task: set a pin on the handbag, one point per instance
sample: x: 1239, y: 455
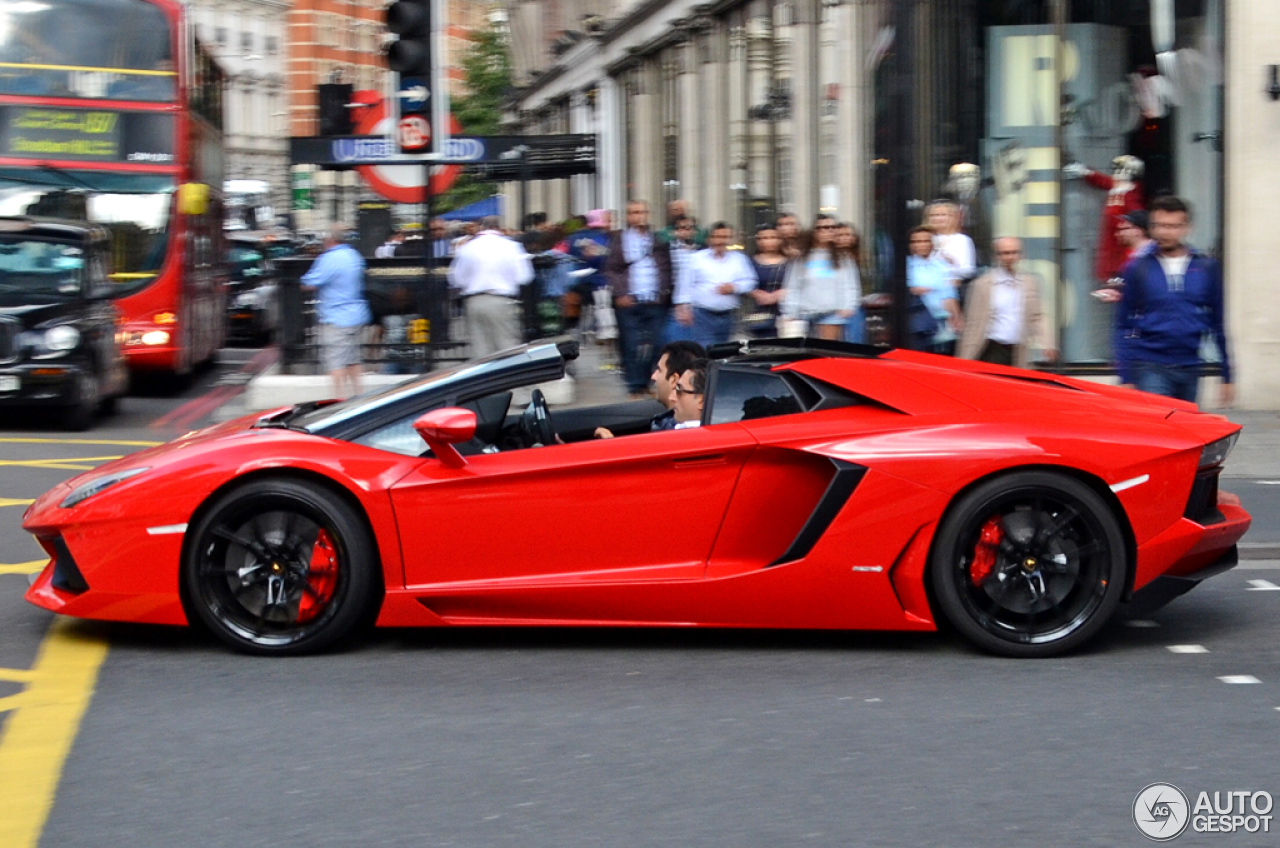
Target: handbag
x: 921, y: 321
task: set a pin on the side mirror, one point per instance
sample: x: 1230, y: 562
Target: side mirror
x: 441, y: 429
x: 193, y: 198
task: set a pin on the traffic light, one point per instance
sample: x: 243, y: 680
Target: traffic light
x: 335, y: 119
x: 411, y: 52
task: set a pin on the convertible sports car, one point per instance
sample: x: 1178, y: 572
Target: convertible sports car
x: 830, y: 486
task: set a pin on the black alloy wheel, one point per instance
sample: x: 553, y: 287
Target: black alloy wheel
x: 1031, y: 564
x: 280, y: 567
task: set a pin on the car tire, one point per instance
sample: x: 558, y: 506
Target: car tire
x: 280, y: 567
x: 84, y: 409
x: 1029, y: 564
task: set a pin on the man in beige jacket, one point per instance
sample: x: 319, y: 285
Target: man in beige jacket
x: 1003, y: 320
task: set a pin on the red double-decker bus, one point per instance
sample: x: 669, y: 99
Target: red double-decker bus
x: 111, y: 112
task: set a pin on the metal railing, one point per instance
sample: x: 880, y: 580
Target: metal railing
x: 414, y: 318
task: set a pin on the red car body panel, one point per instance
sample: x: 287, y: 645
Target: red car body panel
x: 684, y: 528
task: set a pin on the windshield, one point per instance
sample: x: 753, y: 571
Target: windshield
x: 246, y: 263
x: 134, y: 207
x: 533, y: 359
x: 39, y: 270
x: 117, y: 49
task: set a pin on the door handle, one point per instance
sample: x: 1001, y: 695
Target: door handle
x: 703, y: 459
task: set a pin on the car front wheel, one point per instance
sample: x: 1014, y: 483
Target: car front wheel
x: 280, y: 567
x: 1030, y: 564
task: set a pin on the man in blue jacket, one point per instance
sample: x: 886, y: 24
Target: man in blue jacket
x: 1172, y: 298
x: 337, y: 276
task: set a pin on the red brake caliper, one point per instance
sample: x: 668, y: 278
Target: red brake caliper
x: 984, y: 553
x: 322, y: 577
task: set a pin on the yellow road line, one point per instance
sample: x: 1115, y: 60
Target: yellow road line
x: 72, y: 462
x: 16, y: 501
x: 20, y: 440
x: 42, y: 728
x: 33, y: 567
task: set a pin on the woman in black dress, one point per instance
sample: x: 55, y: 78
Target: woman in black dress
x: 770, y: 264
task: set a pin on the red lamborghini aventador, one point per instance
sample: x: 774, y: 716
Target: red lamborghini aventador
x: 830, y: 486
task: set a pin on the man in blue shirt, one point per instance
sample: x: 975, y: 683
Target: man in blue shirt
x: 1171, y: 299
x: 337, y: 277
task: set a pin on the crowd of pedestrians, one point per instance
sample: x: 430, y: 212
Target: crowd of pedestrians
x: 647, y: 288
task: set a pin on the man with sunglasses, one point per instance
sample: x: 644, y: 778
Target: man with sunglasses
x: 690, y: 392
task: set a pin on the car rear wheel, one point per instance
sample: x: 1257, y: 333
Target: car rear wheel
x: 279, y: 567
x: 1030, y: 564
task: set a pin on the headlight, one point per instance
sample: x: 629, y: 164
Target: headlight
x: 246, y: 300
x: 1217, y: 452
x: 61, y: 338
x: 92, y: 487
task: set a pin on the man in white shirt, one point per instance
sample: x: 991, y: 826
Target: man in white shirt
x: 488, y: 271
x: 716, y: 277
x: 1003, y: 319
x: 690, y: 393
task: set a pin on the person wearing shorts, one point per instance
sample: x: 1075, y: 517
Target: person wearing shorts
x: 337, y: 277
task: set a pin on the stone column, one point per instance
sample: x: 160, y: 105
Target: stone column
x: 759, y: 130
x: 610, y: 145
x: 646, y: 147
x: 855, y: 119
x: 717, y: 157
x: 1252, y: 162
x: 735, y: 87
x: 691, y: 139
x: 804, y: 108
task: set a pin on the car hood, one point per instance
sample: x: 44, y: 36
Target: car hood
x: 33, y: 315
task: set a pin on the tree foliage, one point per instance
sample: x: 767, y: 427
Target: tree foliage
x: 486, y: 67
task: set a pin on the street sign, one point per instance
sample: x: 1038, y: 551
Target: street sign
x: 414, y: 133
x: 398, y: 183
x: 413, y: 95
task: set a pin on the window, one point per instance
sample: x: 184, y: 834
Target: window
x: 273, y: 45
x: 220, y: 36
x: 748, y: 394
x: 246, y: 41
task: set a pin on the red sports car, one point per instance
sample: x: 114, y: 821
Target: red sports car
x: 830, y: 486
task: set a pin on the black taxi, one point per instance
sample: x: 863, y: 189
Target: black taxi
x: 58, y: 333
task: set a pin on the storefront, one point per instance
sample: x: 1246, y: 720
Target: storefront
x: 1023, y: 89
x: 865, y: 108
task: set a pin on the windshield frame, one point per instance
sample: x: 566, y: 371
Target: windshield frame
x: 534, y: 363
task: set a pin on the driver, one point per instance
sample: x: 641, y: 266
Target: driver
x: 675, y: 358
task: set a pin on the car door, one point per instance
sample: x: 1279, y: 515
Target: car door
x: 630, y: 508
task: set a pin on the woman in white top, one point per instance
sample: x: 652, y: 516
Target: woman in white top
x: 950, y: 245
x: 822, y: 284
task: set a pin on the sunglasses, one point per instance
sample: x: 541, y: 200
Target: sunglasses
x: 681, y: 390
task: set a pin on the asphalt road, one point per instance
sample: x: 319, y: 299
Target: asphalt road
x: 618, y: 738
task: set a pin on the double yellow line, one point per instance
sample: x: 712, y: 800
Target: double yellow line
x: 41, y: 725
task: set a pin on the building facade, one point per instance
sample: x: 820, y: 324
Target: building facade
x: 249, y: 39
x: 342, y: 41
x: 864, y: 108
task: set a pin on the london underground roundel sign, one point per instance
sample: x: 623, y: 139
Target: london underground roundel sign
x: 403, y: 183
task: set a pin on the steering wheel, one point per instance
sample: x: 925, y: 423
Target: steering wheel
x: 535, y: 424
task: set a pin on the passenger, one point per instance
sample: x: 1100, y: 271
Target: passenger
x: 690, y: 392
x: 675, y: 359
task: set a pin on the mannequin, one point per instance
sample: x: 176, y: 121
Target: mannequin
x: 1124, y: 195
